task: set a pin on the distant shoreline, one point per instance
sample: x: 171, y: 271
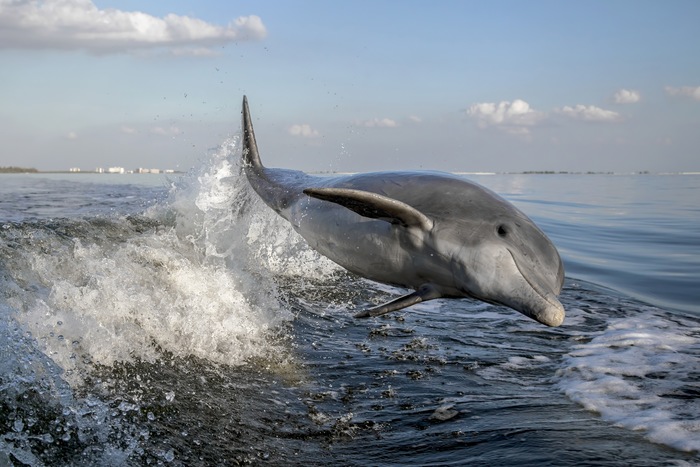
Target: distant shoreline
x: 31, y: 170
x: 534, y: 172
x: 23, y: 170
x: 17, y: 170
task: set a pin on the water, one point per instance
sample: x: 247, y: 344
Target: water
x: 153, y: 320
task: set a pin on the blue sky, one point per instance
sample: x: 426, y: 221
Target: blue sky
x: 353, y: 85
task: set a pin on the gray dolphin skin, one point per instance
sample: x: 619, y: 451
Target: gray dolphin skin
x: 432, y: 232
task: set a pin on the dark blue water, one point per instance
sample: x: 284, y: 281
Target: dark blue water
x: 637, y: 234
x: 147, y: 320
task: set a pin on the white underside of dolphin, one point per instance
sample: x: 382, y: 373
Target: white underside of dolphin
x: 435, y: 233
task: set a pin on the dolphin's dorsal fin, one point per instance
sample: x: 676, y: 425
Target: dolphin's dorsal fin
x: 374, y: 206
x: 250, y: 147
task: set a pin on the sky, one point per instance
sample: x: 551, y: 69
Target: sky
x: 353, y: 85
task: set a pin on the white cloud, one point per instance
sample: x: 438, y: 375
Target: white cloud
x: 170, y: 131
x: 590, y: 113
x: 514, y: 117
x: 72, y: 135
x: 415, y: 119
x: 128, y: 130
x: 626, y: 96
x: 194, y: 52
x: 304, y: 130
x: 378, y: 122
x: 687, y: 91
x: 517, y: 117
x: 79, y: 24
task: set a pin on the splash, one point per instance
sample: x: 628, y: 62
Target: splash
x: 220, y: 215
x: 196, y: 275
x: 90, y: 305
x: 45, y: 422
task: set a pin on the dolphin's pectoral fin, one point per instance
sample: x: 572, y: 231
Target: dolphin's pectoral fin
x: 374, y: 206
x: 423, y: 294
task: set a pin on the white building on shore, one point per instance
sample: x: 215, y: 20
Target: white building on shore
x: 122, y: 170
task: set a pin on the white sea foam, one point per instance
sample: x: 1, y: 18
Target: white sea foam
x: 200, y: 284
x: 642, y: 374
x: 516, y: 370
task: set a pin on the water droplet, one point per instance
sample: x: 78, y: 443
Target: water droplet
x: 18, y: 425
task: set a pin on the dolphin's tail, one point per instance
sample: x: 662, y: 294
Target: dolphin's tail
x: 251, y: 156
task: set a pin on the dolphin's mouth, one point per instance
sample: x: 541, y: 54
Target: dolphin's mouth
x: 545, y: 308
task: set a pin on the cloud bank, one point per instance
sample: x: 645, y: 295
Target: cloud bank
x: 518, y: 117
x: 378, y: 123
x: 80, y: 25
x: 626, y: 96
x: 304, y: 130
x: 513, y: 117
x: 685, y: 91
x: 590, y: 113
x: 172, y: 130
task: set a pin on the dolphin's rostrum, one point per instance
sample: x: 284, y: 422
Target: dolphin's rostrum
x: 435, y: 233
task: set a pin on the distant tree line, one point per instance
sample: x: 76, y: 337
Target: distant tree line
x: 564, y: 172
x: 17, y: 170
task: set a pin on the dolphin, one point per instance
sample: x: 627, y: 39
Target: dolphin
x: 435, y: 233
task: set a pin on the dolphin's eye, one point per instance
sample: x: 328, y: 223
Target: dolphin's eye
x: 502, y: 230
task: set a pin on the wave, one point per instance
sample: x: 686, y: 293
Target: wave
x: 195, y: 275
x: 134, y: 335
x: 641, y: 372
x: 94, y: 307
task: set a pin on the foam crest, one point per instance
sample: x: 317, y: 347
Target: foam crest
x: 641, y: 373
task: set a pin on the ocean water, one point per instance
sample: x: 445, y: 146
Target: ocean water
x: 155, y: 320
